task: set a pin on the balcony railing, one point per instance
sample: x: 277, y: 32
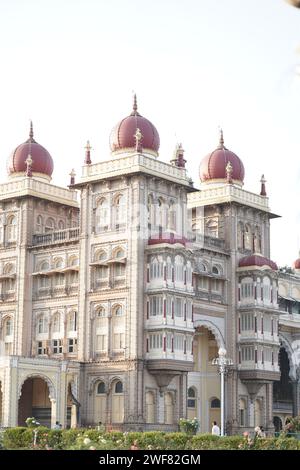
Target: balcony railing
x: 60, y: 236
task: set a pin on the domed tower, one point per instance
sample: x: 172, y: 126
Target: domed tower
x: 221, y: 166
x: 30, y: 158
x: 296, y: 266
x: 134, y: 133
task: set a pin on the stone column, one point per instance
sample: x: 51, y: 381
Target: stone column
x: 269, y: 406
x: 53, y: 412
x: 73, y: 416
x: 62, y: 414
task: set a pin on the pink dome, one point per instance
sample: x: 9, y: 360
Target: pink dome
x: 257, y: 260
x: 123, y: 134
x: 297, y: 264
x: 213, y: 166
x: 41, y: 159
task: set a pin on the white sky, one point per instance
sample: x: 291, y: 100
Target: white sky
x: 71, y: 66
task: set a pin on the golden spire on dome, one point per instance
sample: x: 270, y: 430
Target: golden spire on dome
x: 221, y: 139
x: 31, y: 130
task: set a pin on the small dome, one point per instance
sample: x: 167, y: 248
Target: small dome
x: 214, y: 167
x: 42, y: 162
x: 257, y: 261
x: 296, y: 264
x: 123, y: 135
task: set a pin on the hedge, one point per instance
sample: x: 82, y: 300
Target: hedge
x: 74, y: 439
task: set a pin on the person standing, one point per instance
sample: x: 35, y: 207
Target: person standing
x: 215, y: 429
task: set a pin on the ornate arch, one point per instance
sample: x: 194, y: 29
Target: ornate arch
x: 213, y: 328
x: 94, y: 381
x: 52, y: 392
x: 289, y: 350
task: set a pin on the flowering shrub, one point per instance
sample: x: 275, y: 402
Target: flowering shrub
x: 190, y: 426
x: 292, y: 426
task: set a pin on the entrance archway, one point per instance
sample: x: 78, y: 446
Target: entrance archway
x: 282, y: 390
x: 204, y: 381
x: 277, y: 423
x: 35, y: 402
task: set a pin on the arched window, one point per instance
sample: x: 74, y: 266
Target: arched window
x: 100, y: 312
x: 202, y: 267
x: 119, y: 210
x: 161, y: 213
x: 8, y: 268
x: 189, y: 273
x: 74, y: 261
x: 61, y: 225
x: 117, y: 403
x: 215, y: 403
x: 257, y: 240
x: 102, y: 215
x: 172, y: 216
x: 248, y: 237
x: 151, y: 212
x: 247, y: 291
x: 8, y: 327
x: 191, y: 398
x: 266, y: 289
x: 56, y: 323
x: 58, y: 263
x: 211, y: 228
x: 100, y: 255
x: 215, y: 270
x: 169, y: 408
x: 50, y: 225
x: 169, y: 269
x: 118, y: 311
x: 240, y: 235
x: 11, y: 229
x: 179, y: 268
x: 156, y: 268
x: 119, y: 253
x: 101, y: 388
x: 42, y: 325
x: 44, y: 266
x: 242, y: 411
x: 257, y: 413
x: 150, y: 407
x: 72, y: 321
x: 119, y: 387
x: 39, y: 224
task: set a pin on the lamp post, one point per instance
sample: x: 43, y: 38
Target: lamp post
x: 222, y: 362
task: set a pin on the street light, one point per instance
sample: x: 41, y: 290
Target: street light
x: 222, y: 362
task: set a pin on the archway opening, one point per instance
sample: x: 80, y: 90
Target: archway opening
x: 282, y: 390
x: 34, y: 402
x: 277, y: 423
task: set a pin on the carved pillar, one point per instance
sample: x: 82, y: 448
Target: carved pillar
x: 269, y: 406
x: 53, y: 412
x: 73, y: 416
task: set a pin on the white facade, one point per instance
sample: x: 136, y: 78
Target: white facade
x: 113, y: 308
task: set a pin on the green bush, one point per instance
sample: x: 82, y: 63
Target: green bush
x: 205, y: 442
x: 14, y: 438
x: 176, y: 440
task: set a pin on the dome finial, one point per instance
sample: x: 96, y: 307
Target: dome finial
x: 31, y: 130
x: 221, y: 140
x: 263, y: 181
x: 29, y: 163
x: 88, y: 148
x: 134, y: 107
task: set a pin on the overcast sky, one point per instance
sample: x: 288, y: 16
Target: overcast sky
x: 71, y: 67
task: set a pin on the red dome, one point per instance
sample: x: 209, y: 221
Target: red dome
x: 123, y: 134
x: 41, y: 159
x: 213, y: 166
x: 257, y: 260
x: 297, y: 264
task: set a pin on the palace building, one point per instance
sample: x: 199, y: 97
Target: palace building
x: 117, y: 292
